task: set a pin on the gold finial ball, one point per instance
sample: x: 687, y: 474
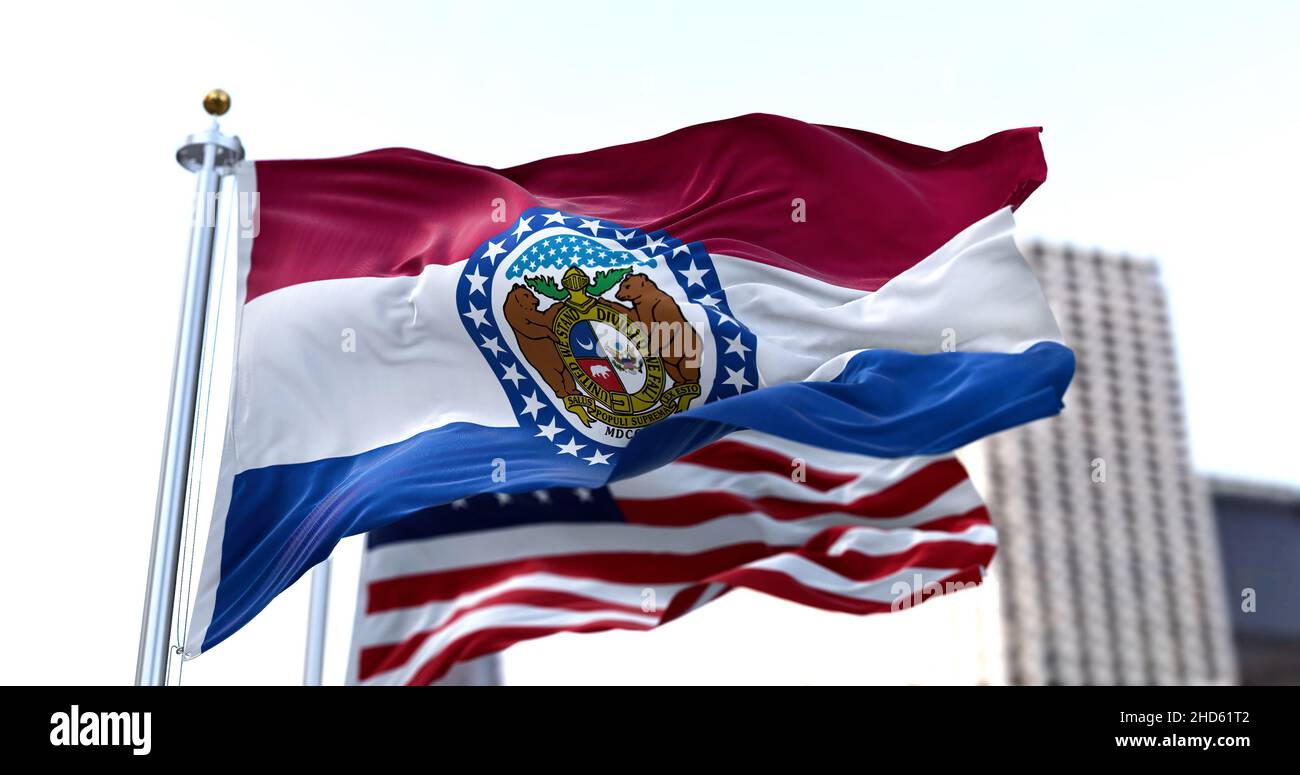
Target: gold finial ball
x: 216, y: 102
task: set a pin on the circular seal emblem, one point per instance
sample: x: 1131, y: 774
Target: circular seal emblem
x: 614, y: 328
x: 621, y: 379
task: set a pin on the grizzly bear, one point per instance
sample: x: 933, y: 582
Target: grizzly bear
x: 537, y: 340
x: 672, y: 337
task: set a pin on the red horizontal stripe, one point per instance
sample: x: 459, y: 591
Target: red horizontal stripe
x: 932, y: 554
x: 850, y: 564
x: 775, y: 583
x: 624, y: 567
x: 956, y: 523
x: 787, y: 587
x: 729, y: 184
x: 684, y: 601
x: 377, y: 659
x: 729, y: 455
x: 899, y: 499
x: 492, y: 640
x: 629, y: 567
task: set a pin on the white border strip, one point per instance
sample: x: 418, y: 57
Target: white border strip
x: 206, y: 597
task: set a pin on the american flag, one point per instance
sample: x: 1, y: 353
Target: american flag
x: 827, y: 529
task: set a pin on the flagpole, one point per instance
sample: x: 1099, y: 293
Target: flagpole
x: 313, y: 667
x: 211, y: 156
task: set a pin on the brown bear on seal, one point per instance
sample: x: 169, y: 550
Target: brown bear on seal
x: 537, y: 340
x: 671, y: 336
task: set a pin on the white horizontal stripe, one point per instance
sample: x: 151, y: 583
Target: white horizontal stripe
x: 680, y: 479
x: 304, y: 394
x: 977, y: 286
x: 392, y: 628
x: 709, y: 594
x: 906, y: 582
x: 398, y: 624
x: 842, y: 462
x: 483, y: 671
x: 875, y: 542
x: 490, y: 547
x: 502, y: 616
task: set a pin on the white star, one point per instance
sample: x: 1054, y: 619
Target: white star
x: 512, y: 374
x: 708, y: 301
x: 722, y: 316
x: 542, y: 496
x: 555, y: 217
x: 502, y: 498
x: 531, y: 405
x: 479, y: 316
x: 525, y: 225
x: 694, y: 275
x: 571, y: 448
x: 549, y: 430
x: 652, y: 244
x: 735, y: 346
x: 460, y: 503
x: 623, y: 236
x: 476, y: 281
x: 493, y: 250
x: 592, y: 225
x: 736, y: 379
x: 583, y: 494
x: 491, y: 344
x: 598, y: 458
x: 681, y: 249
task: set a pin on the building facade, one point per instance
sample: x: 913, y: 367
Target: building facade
x: 1109, y: 568
x: 1259, y: 530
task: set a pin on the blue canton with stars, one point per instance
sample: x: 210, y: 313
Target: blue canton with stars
x: 568, y: 245
x: 494, y: 511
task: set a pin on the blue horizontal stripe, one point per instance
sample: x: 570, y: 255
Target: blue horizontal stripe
x: 886, y: 403
x: 284, y: 519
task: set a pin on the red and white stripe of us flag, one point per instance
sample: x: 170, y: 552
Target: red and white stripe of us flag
x: 827, y: 529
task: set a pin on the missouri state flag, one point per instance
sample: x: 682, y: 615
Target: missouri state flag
x: 416, y: 334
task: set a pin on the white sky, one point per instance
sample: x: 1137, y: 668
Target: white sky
x: 1170, y: 131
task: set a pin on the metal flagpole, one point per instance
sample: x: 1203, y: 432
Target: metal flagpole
x: 313, y: 666
x: 212, y: 156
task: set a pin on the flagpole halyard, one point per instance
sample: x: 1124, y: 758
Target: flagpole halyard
x: 211, y: 155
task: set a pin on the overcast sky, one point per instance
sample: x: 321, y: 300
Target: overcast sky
x: 1170, y: 132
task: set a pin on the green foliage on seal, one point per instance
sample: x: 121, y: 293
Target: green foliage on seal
x: 606, y: 279
x: 547, y: 287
